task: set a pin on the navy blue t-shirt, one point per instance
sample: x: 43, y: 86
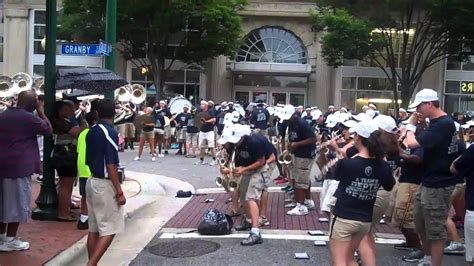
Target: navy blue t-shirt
x: 260, y: 118
x: 300, y: 131
x: 159, y: 120
x: 411, y: 173
x: 309, y: 120
x: 269, y: 148
x: 182, y: 119
x: 208, y: 127
x: 102, y: 148
x: 220, y: 122
x: 440, y: 147
x: 465, y: 168
x: 360, y: 179
x: 394, y: 161
x: 190, y: 127
x: 250, y: 150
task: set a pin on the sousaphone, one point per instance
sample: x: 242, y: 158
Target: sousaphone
x: 200, y: 118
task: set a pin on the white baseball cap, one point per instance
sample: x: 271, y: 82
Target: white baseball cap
x: 362, y: 117
x: 331, y: 106
x: 468, y: 124
x: 331, y: 121
x: 349, y: 123
x: 423, y: 96
x: 373, y: 106
x: 364, y: 128
x: 316, y: 114
x: 234, y: 133
x: 204, y: 102
x: 402, y: 110
x: 371, y: 113
x: 287, y: 112
x: 386, y: 123
x: 235, y: 116
x: 228, y: 118
x: 162, y: 102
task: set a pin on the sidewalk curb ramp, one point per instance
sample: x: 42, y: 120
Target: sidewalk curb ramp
x: 152, y: 187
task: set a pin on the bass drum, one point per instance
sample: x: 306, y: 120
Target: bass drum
x: 177, y: 103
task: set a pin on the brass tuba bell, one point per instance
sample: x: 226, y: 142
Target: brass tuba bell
x: 123, y: 93
x: 138, y: 94
x: 5, y: 87
x: 21, y: 82
x: 39, y: 86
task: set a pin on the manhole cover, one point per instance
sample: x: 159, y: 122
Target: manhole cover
x: 184, y: 249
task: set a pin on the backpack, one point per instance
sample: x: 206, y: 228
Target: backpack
x: 215, y: 222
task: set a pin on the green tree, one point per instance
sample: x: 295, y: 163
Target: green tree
x: 402, y: 37
x: 197, y: 29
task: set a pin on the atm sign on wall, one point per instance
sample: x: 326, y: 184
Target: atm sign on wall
x: 467, y: 87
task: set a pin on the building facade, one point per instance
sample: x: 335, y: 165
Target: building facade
x: 279, y: 62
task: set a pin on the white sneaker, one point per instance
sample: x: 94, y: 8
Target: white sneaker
x: 153, y: 158
x: 212, y: 163
x: 137, y: 158
x: 299, y: 210
x: 200, y: 162
x: 14, y: 245
x: 309, y: 204
x: 161, y: 155
x: 290, y: 205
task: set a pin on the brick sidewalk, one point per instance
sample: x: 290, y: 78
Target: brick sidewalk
x: 47, y: 239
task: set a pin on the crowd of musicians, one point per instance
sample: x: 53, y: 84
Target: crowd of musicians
x: 409, y: 171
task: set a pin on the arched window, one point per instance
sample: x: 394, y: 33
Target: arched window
x: 272, y: 45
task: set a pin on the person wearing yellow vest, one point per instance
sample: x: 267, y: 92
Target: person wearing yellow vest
x: 83, y: 171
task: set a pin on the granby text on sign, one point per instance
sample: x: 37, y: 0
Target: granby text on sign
x: 102, y: 48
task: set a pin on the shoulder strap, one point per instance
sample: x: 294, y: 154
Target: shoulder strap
x: 107, y: 136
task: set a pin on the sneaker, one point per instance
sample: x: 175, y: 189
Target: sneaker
x: 309, y: 204
x: 137, y: 158
x: 292, y: 204
x: 153, y: 158
x: 82, y: 225
x: 161, y: 155
x: 285, y: 188
x: 263, y: 221
x: 200, y: 163
x: 414, y: 256
x: 403, y: 246
x: 281, y: 181
x: 299, y: 210
x: 455, y: 248
x: 244, y: 226
x: 14, y: 245
x: 212, y: 163
x: 291, y: 190
x: 166, y: 152
x: 290, y: 199
x: 252, y: 240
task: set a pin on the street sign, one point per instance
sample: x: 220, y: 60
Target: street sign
x: 102, y: 48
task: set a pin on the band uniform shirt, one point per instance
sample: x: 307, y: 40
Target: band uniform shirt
x: 19, y: 153
x: 250, y: 150
x: 148, y: 120
x: 269, y: 148
x: 465, y: 168
x: 220, y: 122
x: 439, y: 141
x: 394, y: 161
x: 208, y: 127
x: 260, y: 118
x: 164, y: 112
x: 360, y: 179
x: 82, y: 169
x: 101, y: 149
x: 182, y: 119
x: 159, y: 120
x: 190, y: 126
x: 300, y: 131
x: 309, y: 120
x: 411, y: 173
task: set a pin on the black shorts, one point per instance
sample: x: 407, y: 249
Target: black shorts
x: 67, y: 171
x: 82, y: 186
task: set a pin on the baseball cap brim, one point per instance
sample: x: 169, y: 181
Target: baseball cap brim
x: 414, y: 105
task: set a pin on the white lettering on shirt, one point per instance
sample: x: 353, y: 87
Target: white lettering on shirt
x: 363, y: 188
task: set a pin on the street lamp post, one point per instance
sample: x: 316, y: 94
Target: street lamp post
x: 47, y: 199
x: 111, y: 38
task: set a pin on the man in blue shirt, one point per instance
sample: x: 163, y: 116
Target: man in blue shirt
x: 105, y: 197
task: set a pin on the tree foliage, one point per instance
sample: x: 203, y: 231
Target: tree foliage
x: 152, y: 32
x: 402, y: 37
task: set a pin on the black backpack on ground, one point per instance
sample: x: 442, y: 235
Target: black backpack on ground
x: 215, y: 222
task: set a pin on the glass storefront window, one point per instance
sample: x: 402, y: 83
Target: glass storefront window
x: 451, y: 103
x: 453, y: 63
x: 348, y: 99
x: 259, y: 96
x: 296, y: 99
x: 192, y: 93
x: 469, y: 65
x: 252, y: 80
x: 173, y: 90
x: 348, y: 83
x: 373, y: 84
x: 242, y: 97
x: 192, y: 76
x: 452, y: 86
x: 278, y: 98
x: 466, y: 103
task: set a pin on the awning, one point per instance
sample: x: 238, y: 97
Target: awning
x: 273, y: 68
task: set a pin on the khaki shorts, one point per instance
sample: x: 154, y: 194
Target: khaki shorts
x: 126, y: 130
x: 159, y: 131
x: 431, y: 212
x: 105, y: 215
x: 469, y: 235
x: 167, y: 132
x: 263, y: 132
x: 300, y: 171
x: 148, y: 135
x: 206, y: 139
x: 381, y: 204
x: 268, y: 174
x: 392, y: 201
x: 252, y: 185
x: 347, y: 230
x: 181, y: 135
x: 404, y: 204
x: 192, y: 138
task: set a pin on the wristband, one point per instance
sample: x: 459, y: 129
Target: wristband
x: 411, y: 128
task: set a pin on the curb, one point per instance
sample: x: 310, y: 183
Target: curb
x: 151, y: 188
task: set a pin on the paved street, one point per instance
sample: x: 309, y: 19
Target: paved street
x: 200, y: 176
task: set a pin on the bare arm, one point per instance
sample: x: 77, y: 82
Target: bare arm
x: 114, y: 178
